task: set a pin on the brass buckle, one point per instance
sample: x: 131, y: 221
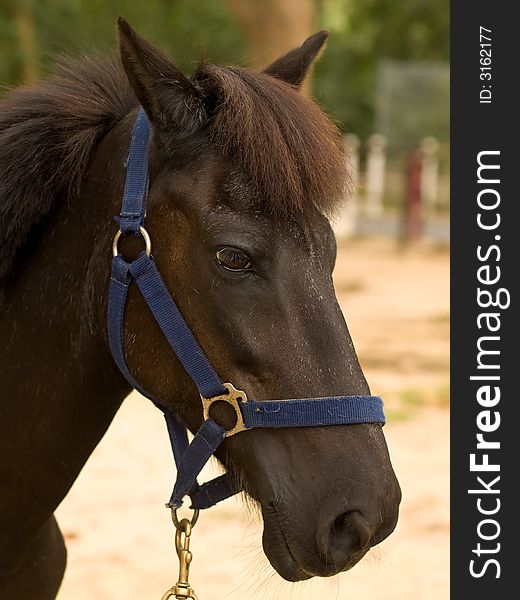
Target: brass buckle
x: 234, y: 398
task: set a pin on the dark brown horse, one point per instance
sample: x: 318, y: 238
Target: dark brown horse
x: 244, y: 173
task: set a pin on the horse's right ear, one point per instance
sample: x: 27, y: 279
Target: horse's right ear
x: 166, y: 94
x: 294, y: 66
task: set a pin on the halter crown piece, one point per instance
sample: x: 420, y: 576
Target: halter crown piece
x: 191, y: 457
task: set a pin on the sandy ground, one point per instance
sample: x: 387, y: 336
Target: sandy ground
x: 119, y: 535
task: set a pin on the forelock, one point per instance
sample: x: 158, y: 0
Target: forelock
x: 282, y: 141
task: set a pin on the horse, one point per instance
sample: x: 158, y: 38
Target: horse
x: 245, y: 175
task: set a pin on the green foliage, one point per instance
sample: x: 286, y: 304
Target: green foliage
x: 184, y: 29
x: 366, y: 32
x: 363, y: 32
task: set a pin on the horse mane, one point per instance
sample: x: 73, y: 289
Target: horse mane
x: 47, y: 135
x: 281, y: 140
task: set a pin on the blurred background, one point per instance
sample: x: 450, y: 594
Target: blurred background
x: 384, y: 78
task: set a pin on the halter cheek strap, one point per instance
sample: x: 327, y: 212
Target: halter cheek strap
x: 190, y: 458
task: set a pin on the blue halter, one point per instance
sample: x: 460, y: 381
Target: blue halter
x: 250, y: 414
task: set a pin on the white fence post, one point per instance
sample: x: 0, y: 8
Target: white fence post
x: 346, y: 224
x: 375, y: 176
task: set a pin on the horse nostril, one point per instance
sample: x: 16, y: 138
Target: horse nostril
x: 348, y: 535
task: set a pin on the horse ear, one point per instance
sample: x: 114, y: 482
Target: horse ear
x: 165, y: 93
x: 294, y: 66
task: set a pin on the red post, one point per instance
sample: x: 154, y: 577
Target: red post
x: 412, y: 205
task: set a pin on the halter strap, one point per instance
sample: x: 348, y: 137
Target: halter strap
x: 133, y: 209
x: 251, y: 414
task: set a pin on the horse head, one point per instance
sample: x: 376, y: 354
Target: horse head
x: 245, y: 172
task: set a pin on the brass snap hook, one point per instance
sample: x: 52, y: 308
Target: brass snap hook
x: 183, y: 529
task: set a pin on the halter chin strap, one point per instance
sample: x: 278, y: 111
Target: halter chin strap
x: 250, y: 414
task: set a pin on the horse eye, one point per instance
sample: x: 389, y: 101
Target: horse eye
x: 233, y: 259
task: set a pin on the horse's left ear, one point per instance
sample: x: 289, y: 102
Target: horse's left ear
x: 294, y: 66
x: 169, y: 97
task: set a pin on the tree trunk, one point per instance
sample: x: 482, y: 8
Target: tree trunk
x: 273, y: 27
x: 26, y: 34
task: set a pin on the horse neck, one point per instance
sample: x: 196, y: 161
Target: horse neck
x: 57, y: 378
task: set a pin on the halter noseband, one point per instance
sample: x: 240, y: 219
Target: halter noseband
x: 250, y: 414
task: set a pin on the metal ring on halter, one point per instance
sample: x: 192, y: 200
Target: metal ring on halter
x: 176, y: 521
x: 146, y: 238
